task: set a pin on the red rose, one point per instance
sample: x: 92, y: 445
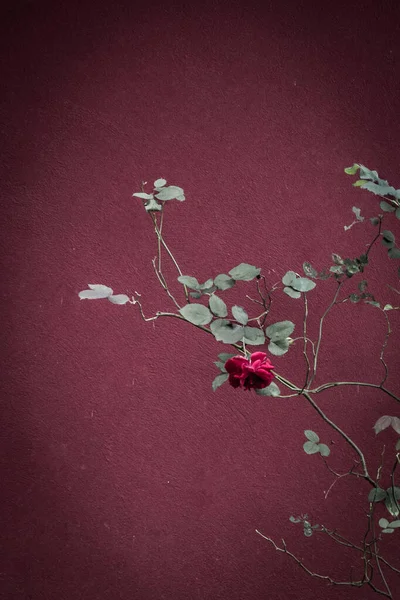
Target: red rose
x: 248, y: 373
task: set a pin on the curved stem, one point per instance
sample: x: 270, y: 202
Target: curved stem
x: 321, y: 322
x: 332, y: 384
x: 344, y: 436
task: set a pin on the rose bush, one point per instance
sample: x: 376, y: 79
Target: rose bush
x: 203, y: 305
x: 248, y: 373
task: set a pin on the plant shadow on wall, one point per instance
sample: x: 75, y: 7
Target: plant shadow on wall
x: 254, y: 371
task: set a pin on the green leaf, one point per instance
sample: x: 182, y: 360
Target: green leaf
x: 294, y: 520
x: 160, y: 183
x: 394, y: 252
x: 373, y: 302
x: 357, y: 212
x: 279, y: 348
x: 224, y: 356
x: 217, y: 306
x: 310, y: 448
x: 398, y: 445
x: 97, y: 291
x: 152, y: 205
x: 190, y: 282
x: 376, y: 495
x: 244, y: 272
x: 389, y: 530
x: 119, y: 299
x: 288, y: 278
x: 220, y: 365
x: 292, y: 293
x: 206, y: 285
x: 362, y: 286
x: 224, y: 331
x: 324, y: 450
x: 253, y: 336
x: 219, y: 380
x: 386, y: 207
x: 143, y: 195
x: 354, y: 298
x: 366, y: 173
x: 309, y: 271
x: 336, y: 269
x: 196, y: 314
x: 387, y: 243
x: 171, y: 192
x: 379, y: 189
x: 398, y: 212
x: 394, y: 524
x: 224, y: 282
x: 392, y: 501
x: 338, y: 260
x: 311, y: 435
x: 352, y: 170
x: 280, y: 330
x: 374, y: 221
x: 302, y: 284
x: 271, y: 390
x: 388, y: 235
x: 359, y: 183
x: 383, y: 523
x: 240, y: 314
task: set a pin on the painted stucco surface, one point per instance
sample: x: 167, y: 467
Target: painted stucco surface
x: 123, y: 475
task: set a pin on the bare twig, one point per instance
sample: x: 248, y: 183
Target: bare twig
x: 321, y: 322
x: 333, y: 384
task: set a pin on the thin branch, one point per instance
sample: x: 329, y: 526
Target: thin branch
x: 345, y: 542
x: 163, y: 283
x: 164, y: 244
x: 332, y: 384
x: 321, y: 322
x: 378, y: 235
x: 344, y: 436
x: 305, y: 353
x: 388, y: 332
x: 301, y: 564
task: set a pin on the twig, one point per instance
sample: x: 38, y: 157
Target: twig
x: 388, y: 332
x: 321, y: 322
x: 302, y: 565
x: 344, y: 436
x: 332, y: 384
x: 305, y: 353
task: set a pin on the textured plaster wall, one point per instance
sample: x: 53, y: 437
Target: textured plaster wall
x: 123, y: 474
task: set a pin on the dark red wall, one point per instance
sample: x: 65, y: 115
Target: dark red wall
x: 123, y: 475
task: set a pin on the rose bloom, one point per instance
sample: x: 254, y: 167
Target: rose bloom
x: 248, y: 373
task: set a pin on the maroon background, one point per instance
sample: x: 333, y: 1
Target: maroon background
x: 123, y: 474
